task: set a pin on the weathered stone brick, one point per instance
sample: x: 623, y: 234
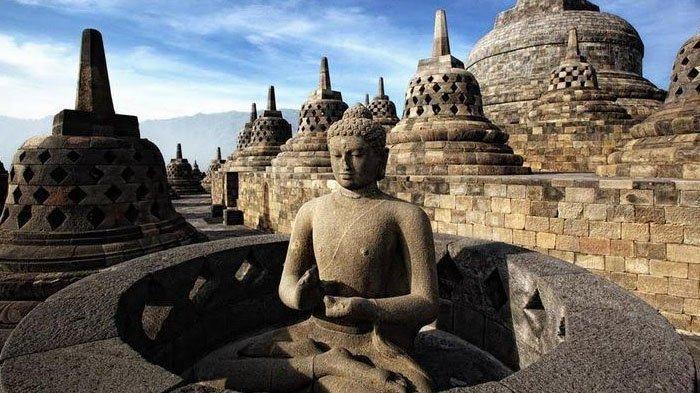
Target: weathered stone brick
x: 515, y: 221
x: 520, y: 206
x: 668, y: 269
x: 666, y: 233
x: 583, y: 195
x: 567, y: 243
x: 516, y: 191
x: 500, y: 205
x: 651, y: 284
x: 633, y: 231
x: 667, y: 303
x: 690, y: 198
x: 443, y: 215
x: 691, y: 235
x: 623, y: 248
x: 683, y: 253
x: 576, y: 227
x: 525, y: 238
x: 570, y: 210
x: 625, y: 280
x: 686, y: 288
x: 691, y: 307
x: 595, y: 212
x: 495, y: 190
x: 649, y: 214
x: 637, y: 265
x: 679, y: 321
x: 544, y: 209
x: 615, y: 264
x: 650, y: 250
x: 546, y: 240
x: 682, y: 215
x: 567, y: 256
x: 537, y: 224
x: 596, y: 246
x: 637, y: 197
x: 503, y: 235
x: 621, y: 213
x: 596, y: 262
x: 556, y: 225
x: 610, y: 230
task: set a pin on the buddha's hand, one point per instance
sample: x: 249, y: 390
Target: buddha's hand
x: 309, y: 289
x: 351, y: 307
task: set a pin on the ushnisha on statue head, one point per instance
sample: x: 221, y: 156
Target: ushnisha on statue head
x: 358, y: 150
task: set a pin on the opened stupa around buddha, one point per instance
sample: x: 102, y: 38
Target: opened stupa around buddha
x: 382, y: 108
x: 444, y: 130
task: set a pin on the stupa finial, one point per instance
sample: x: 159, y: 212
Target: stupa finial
x: 271, y: 102
x: 441, y: 41
x: 253, y: 113
x: 94, y: 94
x: 218, y: 153
x: 380, y: 87
x: 366, y: 99
x: 178, y: 154
x: 572, y: 50
x: 324, y: 81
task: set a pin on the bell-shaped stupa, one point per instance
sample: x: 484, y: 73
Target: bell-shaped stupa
x: 574, y: 125
x: 444, y: 130
x: 196, y: 172
x: 268, y: 133
x: 382, y: 108
x: 512, y: 62
x: 91, y: 194
x: 181, y: 176
x: 667, y: 143
x: 308, y: 151
x: 214, y: 166
x: 245, y: 134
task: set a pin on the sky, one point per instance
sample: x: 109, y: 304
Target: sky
x: 175, y: 58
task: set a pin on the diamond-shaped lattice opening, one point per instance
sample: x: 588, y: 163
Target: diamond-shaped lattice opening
x: 16, y: 194
x: 73, y: 155
x: 436, y: 109
x: 44, y: 156
x: 128, y: 174
x: 41, y: 195
x: 141, y: 192
x: 155, y: 210
x: 445, y: 97
x: 95, y: 216
x: 56, y: 218
x: 685, y: 61
x: 693, y: 73
x: 110, y: 156
x: 454, y: 109
x: 436, y: 87
x: 428, y: 99
x: 131, y: 214
x: 535, y: 302
x: 77, y: 195
x: 24, y: 216
x: 58, y: 174
x: 22, y: 156
x: 28, y: 174
x: 150, y: 173
x: 419, y: 110
x: 494, y: 290
x: 445, y: 78
x: 96, y: 173
x: 679, y: 91
x: 113, y: 193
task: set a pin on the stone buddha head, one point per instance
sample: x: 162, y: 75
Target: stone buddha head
x: 357, y: 147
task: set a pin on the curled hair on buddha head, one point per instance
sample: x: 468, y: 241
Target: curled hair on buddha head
x: 357, y: 121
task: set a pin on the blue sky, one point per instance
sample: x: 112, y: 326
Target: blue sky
x: 173, y: 58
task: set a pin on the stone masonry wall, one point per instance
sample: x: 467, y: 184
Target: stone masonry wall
x: 641, y: 234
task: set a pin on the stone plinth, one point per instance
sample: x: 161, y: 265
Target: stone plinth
x: 575, y: 125
x: 667, y: 143
x: 444, y: 130
x: 181, y: 176
x: 89, y: 196
x: 513, y: 61
x: 307, y: 152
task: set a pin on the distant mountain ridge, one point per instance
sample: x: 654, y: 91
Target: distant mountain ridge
x: 199, y: 134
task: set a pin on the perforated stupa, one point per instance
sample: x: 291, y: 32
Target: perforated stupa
x: 181, y: 176
x: 382, y: 108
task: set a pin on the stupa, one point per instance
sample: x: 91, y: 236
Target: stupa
x: 268, y: 132
x: 667, y: 143
x: 513, y: 61
x: 444, y: 130
x: 244, y: 135
x: 181, y: 177
x: 214, y: 166
x: 574, y: 125
x: 308, y: 151
x: 196, y: 172
x: 382, y: 108
x: 90, y: 195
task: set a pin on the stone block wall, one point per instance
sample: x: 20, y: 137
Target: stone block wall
x: 641, y: 234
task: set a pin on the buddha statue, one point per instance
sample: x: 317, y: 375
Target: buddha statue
x: 362, y: 263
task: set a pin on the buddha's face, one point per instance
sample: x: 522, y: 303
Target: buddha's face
x: 355, y: 163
